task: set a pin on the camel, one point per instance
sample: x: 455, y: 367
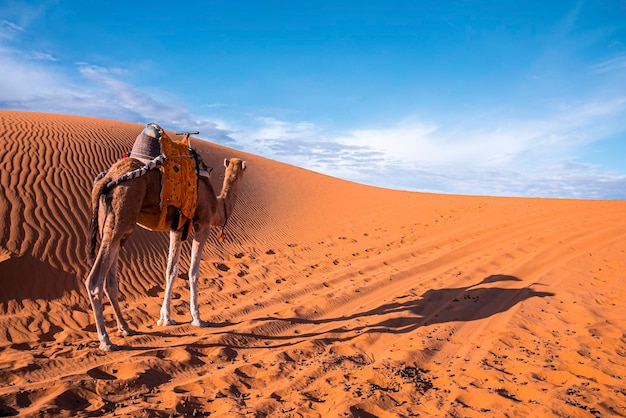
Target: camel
x: 115, y: 214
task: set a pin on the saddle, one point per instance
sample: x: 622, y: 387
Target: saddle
x: 179, y: 173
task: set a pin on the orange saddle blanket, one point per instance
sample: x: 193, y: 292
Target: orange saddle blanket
x: 179, y: 180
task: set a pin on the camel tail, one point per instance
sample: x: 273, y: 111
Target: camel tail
x: 99, y: 189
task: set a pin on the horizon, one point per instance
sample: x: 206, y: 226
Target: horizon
x: 524, y: 99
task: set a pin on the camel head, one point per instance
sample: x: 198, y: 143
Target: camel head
x: 234, y: 172
x: 232, y: 176
x: 234, y: 167
x: 226, y: 200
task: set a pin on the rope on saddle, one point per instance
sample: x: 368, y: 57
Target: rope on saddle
x: 100, y: 176
x: 202, y: 170
x: 155, y: 163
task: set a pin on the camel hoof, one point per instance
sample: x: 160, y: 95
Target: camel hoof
x: 199, y: 323
x: 108, y: 347
x: 125, y: 332
x: 166, y: 322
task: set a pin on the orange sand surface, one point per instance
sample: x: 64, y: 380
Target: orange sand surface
x: 328, y: 298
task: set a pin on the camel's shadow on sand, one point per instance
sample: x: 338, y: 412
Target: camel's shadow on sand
x: 438, y: 306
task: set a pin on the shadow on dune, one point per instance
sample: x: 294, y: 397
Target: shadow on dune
x: 447, y: 305
x: 26, y: 277
x: 437, y: 306
x: 7, y: 411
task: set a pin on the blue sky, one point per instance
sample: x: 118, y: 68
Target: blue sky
x: 511, y: 98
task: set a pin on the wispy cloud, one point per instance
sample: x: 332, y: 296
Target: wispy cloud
x: 272, y: 129
x: 505, y: 156
x: 501, y: 142
x: 488, y: 151
x: 113, y: 92
x: 9, y: 29
x: 216, y: 105
x: 33, y: 81
x: 43, y: 56
x: 614, y: 64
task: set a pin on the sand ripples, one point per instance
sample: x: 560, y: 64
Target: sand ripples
x: 328, y: 298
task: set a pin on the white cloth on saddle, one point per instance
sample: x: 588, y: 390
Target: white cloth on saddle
x: 147, y: 145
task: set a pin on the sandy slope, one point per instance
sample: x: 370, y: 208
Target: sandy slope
x: 328, y: 299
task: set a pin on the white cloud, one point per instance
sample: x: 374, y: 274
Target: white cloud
x: 110, y: 91
x: 36, y: 81
x: 272, y: 128
x: 506, y: 156
x: 614, y: 64
x: 43, y: 56
x: 440, y: 145
x: 499, y: 154
x: 40, y: 85
x: 24, y: 81
x: 216, y: 105
x: 9, y: 29
x: 497, y: 143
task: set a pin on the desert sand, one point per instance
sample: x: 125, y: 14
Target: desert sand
x: 328, y: 298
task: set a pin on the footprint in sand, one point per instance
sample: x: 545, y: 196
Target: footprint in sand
x: 221, y: 266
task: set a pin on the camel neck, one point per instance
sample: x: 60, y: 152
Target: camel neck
x: 225, y: 200
x: 229, y: 186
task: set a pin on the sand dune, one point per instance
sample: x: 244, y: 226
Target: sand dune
x: 328, y: 299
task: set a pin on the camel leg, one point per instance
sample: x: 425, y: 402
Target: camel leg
x: 112, y: 290
x: 95, y: 290
x: 170, y: 276
x: 199, y: 240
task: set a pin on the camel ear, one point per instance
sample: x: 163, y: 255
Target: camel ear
x: 243, y: 165
x: 226, y: 162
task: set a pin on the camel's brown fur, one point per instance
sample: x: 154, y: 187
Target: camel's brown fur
x: 115, y: 214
